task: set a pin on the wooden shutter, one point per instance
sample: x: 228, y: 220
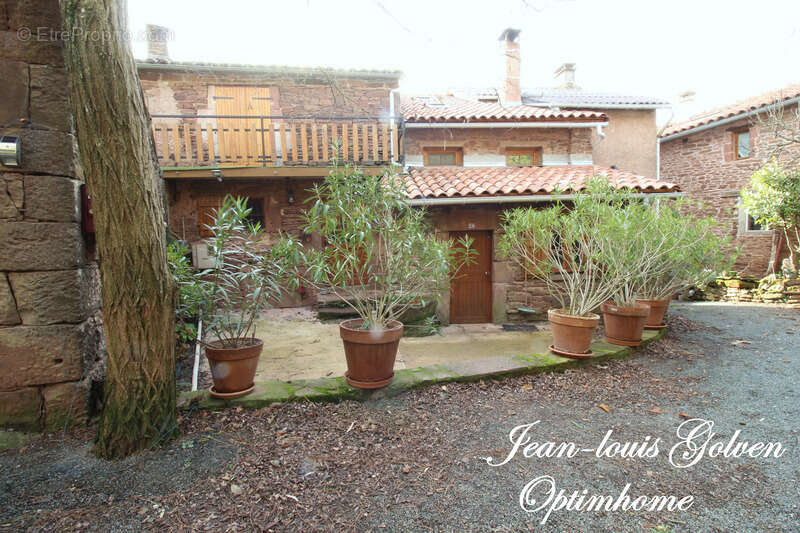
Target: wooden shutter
x: 240, y: 139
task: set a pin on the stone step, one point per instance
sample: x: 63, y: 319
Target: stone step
x: 330, y: 313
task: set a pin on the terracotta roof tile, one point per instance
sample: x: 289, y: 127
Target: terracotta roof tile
x: 433, y: 108
x: 449, y: 182
x: 743, y: 106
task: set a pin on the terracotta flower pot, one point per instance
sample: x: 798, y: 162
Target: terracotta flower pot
x: 624, y: 325
x: 370, y: 354
x: 233, y: 369
x: 572, y: 335
x: 658, y: 308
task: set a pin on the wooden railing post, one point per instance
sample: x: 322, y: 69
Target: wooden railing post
x: 263, y: 148
x: 192, y: 140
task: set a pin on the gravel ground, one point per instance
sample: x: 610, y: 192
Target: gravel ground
x: 417, y: 462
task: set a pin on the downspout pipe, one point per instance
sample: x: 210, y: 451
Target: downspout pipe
x: 392, y: 93
x: 600, y: 131
x: 523, y: 199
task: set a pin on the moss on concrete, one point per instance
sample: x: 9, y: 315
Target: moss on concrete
x: 337, y: 389
x: 15, y: 439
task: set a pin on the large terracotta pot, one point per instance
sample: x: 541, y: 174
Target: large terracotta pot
x: 572, y: 335
x: 233, y: 369
x: 658, y: 308
x: 624, y: 325
x: 370, y: 354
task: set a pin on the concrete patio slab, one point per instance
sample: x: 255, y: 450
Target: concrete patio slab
x: 299, y: 348
x: 532, y: 357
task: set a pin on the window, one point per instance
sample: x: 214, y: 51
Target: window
x: 569, y: 255
x: 523, y: 157
x: 256, y: 206
x: 749, y: 226
x: 443, y: 157
x: 741, y: 144
x: 752, y: 225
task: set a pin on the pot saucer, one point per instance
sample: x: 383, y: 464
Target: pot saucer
x: 660, y: 326
x: 230, y: 395
x: 622, y: 342
x: 570, y: 354
x: 367, y: 384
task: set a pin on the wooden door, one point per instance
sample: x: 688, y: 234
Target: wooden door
x: 471, y: 290
x: 240, y: 139
x: 206, y: 208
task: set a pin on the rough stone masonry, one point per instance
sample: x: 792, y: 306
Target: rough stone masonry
x: 50, y: 329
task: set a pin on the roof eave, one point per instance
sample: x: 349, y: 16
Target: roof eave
x: 526, y: 198
x: 727, y: 120
x: 270, y: 70
x: 416, y: 123
x: 601, y: 106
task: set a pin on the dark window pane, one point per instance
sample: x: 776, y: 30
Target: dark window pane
x: 442, y: 159
x: 752, y: 225
x: 448, y: 158
x: 256, y: 206
x: 743, y: 144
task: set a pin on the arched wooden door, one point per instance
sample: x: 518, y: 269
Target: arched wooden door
x: 471, y: 290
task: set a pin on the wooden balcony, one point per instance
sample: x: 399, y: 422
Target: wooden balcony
x: 218, y: 141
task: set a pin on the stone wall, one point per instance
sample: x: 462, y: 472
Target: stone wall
x: 190, y: 199
x: 186, y: 199
x: 50, y: 339
x: 190, y: 92
x: 769, y: 290
x: 486, y: 146
x: 511, y: 289
x: 702, y: 164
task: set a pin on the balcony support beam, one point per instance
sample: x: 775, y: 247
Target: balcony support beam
x: 256, y: 173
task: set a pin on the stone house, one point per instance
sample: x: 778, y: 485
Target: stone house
x: 264, y: 132
x: 472, y: 155
x: 711, y: 157
x: 269, y: 133
x: 628, y: 138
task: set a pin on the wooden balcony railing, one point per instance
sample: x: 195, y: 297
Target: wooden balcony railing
x: 265, y: 141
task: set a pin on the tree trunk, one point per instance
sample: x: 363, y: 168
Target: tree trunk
x: 774, y: 250
x: 122, y: 174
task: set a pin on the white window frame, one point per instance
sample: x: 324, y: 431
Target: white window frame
x: 742, y: 225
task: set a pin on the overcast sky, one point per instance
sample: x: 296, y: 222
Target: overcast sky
x: 722, y: 50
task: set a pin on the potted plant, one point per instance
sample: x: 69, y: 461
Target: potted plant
x: 637, y: 254
x: 380, y: 257
x: 693, y: 256
x: 242, y: 282
x: 563, y: 246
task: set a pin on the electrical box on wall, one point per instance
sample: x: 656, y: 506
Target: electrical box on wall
x: 201, y: 258
x: 10, y: 151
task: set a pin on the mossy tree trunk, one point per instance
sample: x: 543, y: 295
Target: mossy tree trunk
x: 112, y: 127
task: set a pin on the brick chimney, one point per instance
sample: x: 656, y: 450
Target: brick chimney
x: 512, y: 93
x: 157, y: 37
x: 565, y: 74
